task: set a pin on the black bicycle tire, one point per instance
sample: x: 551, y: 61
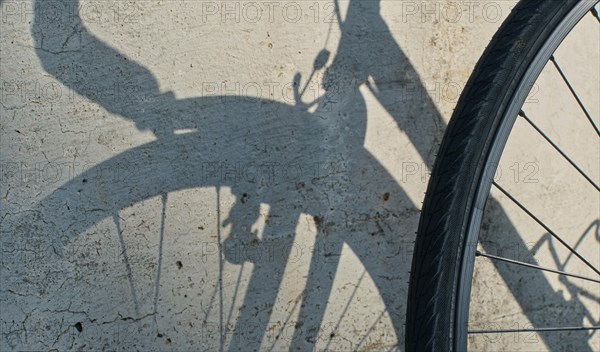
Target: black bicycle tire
x: 478, y: 128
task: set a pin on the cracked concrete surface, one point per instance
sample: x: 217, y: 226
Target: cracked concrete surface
x: 175, y: 178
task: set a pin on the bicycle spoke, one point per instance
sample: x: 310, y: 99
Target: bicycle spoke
x: 523, y: 115
x: 161, y: 240
x: 504, y: 331
x: 552, y: 233
x: 221, y: 264
x: 117, y: 221
x: 347, y: 306
x: 516, y: 262
x: 286, y: 322
x: 371, y: 329
x: 235, y: 293
x: 589, y: 117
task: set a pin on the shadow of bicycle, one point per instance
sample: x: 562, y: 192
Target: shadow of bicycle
x: 296, y: 158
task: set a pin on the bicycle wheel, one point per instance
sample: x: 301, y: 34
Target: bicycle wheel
x: 463, y: 176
